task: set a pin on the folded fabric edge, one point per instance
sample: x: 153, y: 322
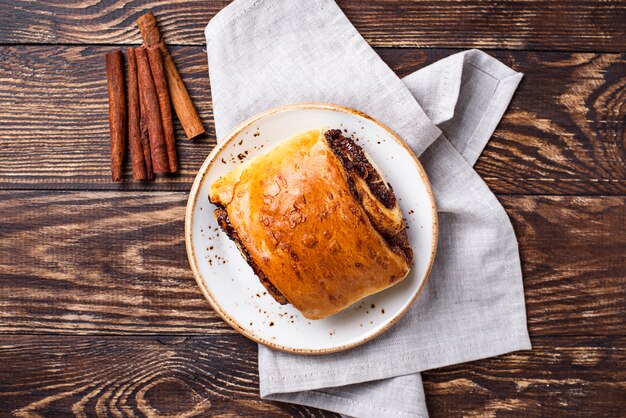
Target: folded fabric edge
x: 489, y: 64
x: 492, y: 117
x: 439, y: 106
x: 442, y: 107
x: 340, y: 404
x: 409, y: 364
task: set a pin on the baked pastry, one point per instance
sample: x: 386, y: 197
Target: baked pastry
x: 316, y: 221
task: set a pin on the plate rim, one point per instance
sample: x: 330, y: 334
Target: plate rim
x: 193, y: 196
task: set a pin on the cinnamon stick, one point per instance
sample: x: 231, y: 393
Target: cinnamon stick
x: 181, y: 100
x: 160, y: 82
x: 145, y: 139
x: 150, y: 102
x: 117, y: 111
x: 134, y: 135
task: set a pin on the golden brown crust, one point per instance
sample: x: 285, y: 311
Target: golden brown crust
x: 299, y: 221
x: 221, y: 216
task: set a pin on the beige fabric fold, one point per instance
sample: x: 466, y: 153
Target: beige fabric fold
x: 264, y: 53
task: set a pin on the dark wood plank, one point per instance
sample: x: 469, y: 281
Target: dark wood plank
x: 99, y: 262
x: 563, y: 134
x: 115, y: 263
x: 573, y: 377
x: 579, y: 25
x: 573, y: 253
x: 213, y: 375
x: 135, y: 376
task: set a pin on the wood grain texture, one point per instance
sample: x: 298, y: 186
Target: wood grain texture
x: 580, y: 25
x: 217, y: 376
x: 134, y: 376
x: 99, y: 313
x: 115, y: 263
x: 573, y: 253
x: 565, y: 137
x: 560, y: 377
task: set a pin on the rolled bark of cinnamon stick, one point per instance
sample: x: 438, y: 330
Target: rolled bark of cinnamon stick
x: 150, y: 102
x: 179, y: 95
x: 160, y: 82
x: 144, y: 135
x: 117, y: 111
x: 145, y: 139
x: 134, y: 134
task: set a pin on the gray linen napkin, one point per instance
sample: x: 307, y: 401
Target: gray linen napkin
x: 265, y: 53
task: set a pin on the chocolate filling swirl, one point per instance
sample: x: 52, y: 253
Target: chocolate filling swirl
x: 353, y: 159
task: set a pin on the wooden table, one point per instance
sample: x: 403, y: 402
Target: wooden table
x: 100, y: 313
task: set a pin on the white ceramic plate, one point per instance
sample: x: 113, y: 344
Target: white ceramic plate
x: 231, y: 287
